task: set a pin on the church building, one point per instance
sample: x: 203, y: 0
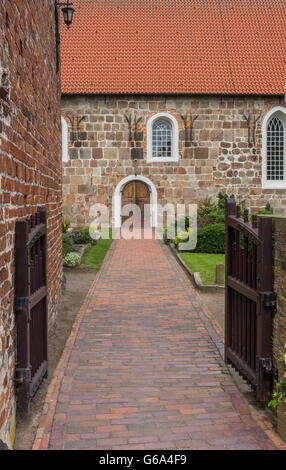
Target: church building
x: 173, y: 101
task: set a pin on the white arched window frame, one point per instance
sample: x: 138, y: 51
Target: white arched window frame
x: 65, y: 142
x: 174, y: 131
x: 274, y: 149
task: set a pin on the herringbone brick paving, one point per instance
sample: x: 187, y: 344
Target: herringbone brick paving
x: 144, y: 371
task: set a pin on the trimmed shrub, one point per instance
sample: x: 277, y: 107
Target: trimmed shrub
x: 211, y: 239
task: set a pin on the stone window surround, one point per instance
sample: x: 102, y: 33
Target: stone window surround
x: 175, y: 138
x: 65, y: 140
x: 268, y: 184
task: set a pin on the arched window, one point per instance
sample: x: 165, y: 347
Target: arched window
x: 274, y: 149
x: 162, y: 138
x: 65, y: 144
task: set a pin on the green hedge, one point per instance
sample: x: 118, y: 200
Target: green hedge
x: 211, y: 239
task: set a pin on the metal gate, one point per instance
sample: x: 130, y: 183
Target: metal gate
x: 249, y: 298
x: 31, y: 306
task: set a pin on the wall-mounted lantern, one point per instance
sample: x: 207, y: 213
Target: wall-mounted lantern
x: 68, y: 12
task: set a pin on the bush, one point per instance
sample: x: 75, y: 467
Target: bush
x: 182, y: 237
x: 71, y: 259
x: 211, y: 239
x: 80, y: 236
x: 220, y: 216
x: 207, y: 211
x: 211, y: 213
x: 175, y: 225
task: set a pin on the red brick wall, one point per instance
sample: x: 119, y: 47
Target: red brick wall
x: 279, y: 320
x: 30, y: 163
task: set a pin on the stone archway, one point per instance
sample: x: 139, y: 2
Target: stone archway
x: 117, y: 199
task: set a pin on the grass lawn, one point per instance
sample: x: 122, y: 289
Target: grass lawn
x: 96, y: 254
x: 204, y: 263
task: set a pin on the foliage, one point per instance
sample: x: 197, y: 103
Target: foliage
x: 182, y: 237
x: 267, y: 211
x: 211, y: 213
x: 71, y: 259
x: 80, y: 236
x: 206, y: 212
x: 183, y: 222
x: 222, y: 197
x: 67, y: 244
x: 279, y: 394
x: 268, y: 207
x: 211, y: 239
x: 66, y: 225
x: 211, y: 224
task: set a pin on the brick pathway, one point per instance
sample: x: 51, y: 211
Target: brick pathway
x: 141, y: 369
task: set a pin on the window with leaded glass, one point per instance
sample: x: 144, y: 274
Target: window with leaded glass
x: 275, y: 162
x: 274, y: 149
x: 162, y: 139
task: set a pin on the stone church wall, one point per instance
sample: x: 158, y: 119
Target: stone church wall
x: 222, y: 154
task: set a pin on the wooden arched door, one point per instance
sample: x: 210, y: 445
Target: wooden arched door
x: 137, y: 192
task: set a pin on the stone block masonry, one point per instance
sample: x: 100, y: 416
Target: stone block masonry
x: 30, y: 164
x: 217, y: 158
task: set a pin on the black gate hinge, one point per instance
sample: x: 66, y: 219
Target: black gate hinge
x: 266, y: 363
x: 23, y: 303
x: 269, y: 299
x: 23, y: 375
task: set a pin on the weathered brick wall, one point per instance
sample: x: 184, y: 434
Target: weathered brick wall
x: 279, y: 334
x: 30, y: 163
x: 279, y: 323
x: 218, y: 159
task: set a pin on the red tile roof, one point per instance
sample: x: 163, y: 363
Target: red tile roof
x: 175, y: 46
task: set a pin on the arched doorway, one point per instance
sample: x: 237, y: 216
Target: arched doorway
x: 117, y: 199
x: 138, y: 193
